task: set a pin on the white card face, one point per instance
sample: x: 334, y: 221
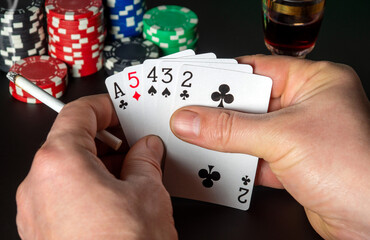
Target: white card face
x: 201, y: 174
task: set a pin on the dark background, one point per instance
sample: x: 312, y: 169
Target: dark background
x: 228, y: 28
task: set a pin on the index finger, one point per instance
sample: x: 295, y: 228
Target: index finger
x: 79, y: 121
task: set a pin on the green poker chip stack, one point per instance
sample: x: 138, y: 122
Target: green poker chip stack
x: 172, y: 28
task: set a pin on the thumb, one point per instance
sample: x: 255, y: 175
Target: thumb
x: 144, y: 160
x: 230, y: 131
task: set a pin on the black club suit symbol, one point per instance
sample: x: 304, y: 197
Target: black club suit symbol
x: 184, y: 95
x: 209, y: 176
x: 123, y: 104
x: 246, y: 180
x: 222, y: 95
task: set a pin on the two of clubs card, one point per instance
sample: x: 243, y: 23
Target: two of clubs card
x: 146, y: 95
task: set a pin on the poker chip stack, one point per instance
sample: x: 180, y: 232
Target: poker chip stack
x: 21, y: 31
x: 172, y: 28
x: 125, y: 17
x: 76, y: 34
x: 46, y: 72
x: 127, y: 52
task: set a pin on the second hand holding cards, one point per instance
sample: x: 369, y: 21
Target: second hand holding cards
x: 145, y: 97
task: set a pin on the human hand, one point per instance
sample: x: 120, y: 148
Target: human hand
x: 70, y: 194
x: 314, y: 140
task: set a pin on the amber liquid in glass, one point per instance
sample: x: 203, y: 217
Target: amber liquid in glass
x: 290, y: 34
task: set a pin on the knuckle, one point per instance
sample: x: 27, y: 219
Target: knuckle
x: 19, y: 195
x: 345, y: 73
x: 47, y: 162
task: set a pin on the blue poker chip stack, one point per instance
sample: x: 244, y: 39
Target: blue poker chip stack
x: 22, y: 32
x: 125, y: 17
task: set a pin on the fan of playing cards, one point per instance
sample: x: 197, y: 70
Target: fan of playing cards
x: 145, y: 96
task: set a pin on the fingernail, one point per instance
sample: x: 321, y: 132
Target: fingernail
x: 153, y: 142
x: 155, y: 145
x: 186, y: 124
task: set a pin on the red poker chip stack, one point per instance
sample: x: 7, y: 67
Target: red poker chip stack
x: 76, y: 34
x: 46, y: 72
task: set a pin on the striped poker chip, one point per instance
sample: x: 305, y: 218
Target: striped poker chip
x: 17, y: 92
x: 73, y: 10
x: 18, y: 11
x: 82, y: 23
x: 46, y: 72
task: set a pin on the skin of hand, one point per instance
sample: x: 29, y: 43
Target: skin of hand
x: 314, y: 142
x: 70, y: 194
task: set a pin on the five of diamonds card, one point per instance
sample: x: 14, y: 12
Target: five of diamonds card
x: 145, y: 96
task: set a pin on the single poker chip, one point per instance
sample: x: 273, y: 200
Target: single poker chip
x: 46, y: 72
x: 55, y: 91
x: 24, y: 7
x: 77, y: 26
x: 118, y: 13
x: 7, y: 62
x: 128, y: 52
x: 192, y: 45
x: 96, y: 19
x: 170, y: 44
x: 121, y: 3
x: 72, y: 10
x: 16, y: 92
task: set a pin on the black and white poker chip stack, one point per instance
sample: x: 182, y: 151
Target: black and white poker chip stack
x: 22, y: 32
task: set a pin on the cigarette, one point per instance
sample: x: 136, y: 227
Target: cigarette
x: 57, y: 105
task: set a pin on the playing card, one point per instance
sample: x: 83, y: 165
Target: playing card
x: 206, y: 175
x: 146, y: 95
x: 125, y: 91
